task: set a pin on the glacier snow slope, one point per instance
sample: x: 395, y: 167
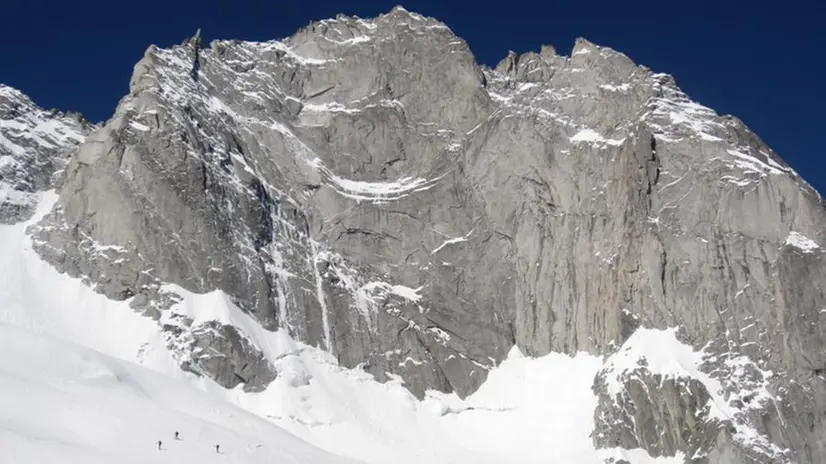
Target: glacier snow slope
x: 64, y: 403
x: 84, y: 379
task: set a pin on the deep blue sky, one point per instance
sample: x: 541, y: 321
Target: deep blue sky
x: 764, y: 64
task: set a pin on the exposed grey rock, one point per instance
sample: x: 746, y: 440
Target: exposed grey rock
x: 660, y: 416
x: 220, y: 352
x: 34, y: 148
x: 368, y: 186
x: 717, y: 414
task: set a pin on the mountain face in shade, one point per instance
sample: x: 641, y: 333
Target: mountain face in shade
x: 371, y: 189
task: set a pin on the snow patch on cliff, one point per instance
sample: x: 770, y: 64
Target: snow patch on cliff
x: 376, y: 192
x: 138, y: 126
x: 451, y: 241
x: 616, y: 88
x: 368, y: 294
x: 329, y: 107
x: 751, y: 163
x: 594, y: 137
x: 801, y: 242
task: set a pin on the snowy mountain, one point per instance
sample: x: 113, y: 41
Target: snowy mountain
x: 34, y: 146
x: 361, y: 236
x: 92, y: 381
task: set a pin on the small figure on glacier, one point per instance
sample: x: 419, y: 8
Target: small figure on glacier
x: 159, y: 445
x: 217, y: 449
x: 176, y: 436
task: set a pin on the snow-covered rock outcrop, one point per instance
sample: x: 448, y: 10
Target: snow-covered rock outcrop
x: 34, y: 147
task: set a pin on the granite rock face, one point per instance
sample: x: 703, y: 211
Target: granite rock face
x: 368, y: 186
x: 34, y: 148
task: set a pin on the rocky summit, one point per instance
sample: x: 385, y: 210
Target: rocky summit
x: 368, y: 186
x: 34, y: 146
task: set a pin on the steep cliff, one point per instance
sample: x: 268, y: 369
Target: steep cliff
x: 371, y: 188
